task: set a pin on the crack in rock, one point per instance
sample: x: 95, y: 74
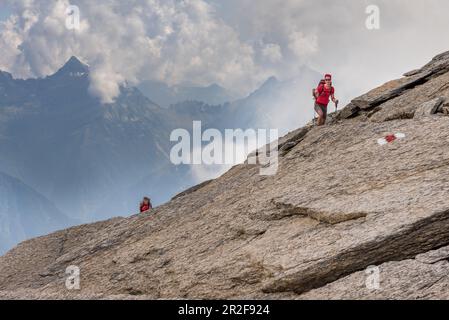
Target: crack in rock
x: 286, y: 146
x: 433, y: 256
x: 331, y: 218
x: 429, y: 108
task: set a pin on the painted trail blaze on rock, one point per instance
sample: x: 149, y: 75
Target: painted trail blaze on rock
x: 390, y: 138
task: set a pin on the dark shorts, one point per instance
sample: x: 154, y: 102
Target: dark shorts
x: 321, y: 110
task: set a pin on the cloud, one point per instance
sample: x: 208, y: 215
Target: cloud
x: 303, y: 45
x: 235, y: 43
x: 167, y: 40
x: 331, y: 36
x: 272, y: 52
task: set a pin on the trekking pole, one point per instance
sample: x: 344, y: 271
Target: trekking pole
x: 314, y: 104
x: 314, y: 113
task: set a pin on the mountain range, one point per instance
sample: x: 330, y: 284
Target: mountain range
x: 165, y: 95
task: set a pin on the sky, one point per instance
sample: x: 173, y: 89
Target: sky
x: 4, y: 11
x: 235, y: 43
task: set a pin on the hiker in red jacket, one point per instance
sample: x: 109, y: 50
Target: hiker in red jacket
x: 145, y: 205
x: 323, y: 94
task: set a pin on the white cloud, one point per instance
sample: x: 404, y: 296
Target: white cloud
x: 235, y: 43
x: 331, y: 36
x: 201, y: 173
x: 272, y: 52
x: 303, y: 45
x: 168, y: 40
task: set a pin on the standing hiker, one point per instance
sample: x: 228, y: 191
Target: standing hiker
x: 323, y: 94
x: 145, y: 205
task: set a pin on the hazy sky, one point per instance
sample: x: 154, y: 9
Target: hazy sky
x: 235, y: 43
x: 4, y: 12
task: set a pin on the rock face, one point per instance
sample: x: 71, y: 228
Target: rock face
x: 429, y: 108
x: 340, y: 203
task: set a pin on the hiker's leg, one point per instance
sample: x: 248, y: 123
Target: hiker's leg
x: 324, y: 117
x: 322, y: 121
x: 318, y: 120
x: 319, y: 112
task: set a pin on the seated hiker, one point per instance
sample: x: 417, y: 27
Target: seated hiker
x: 145, y: 205
x: 323, y: 93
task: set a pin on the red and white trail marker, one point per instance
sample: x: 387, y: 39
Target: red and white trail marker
x: 390, y: 138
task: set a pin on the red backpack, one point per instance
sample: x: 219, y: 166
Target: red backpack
x: 322, y: 83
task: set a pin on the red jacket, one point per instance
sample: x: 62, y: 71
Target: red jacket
x: 324, y: 94
x: 145, y: 207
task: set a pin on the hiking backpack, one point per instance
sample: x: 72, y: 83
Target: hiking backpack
x: 323, y: 82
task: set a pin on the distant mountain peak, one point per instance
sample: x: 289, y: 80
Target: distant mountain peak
x: 75, y: 62
x: 271, y: 81
x: 215, y: 86
x: 74, y: 68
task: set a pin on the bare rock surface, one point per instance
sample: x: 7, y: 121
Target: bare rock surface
x: 429, y: 108
x: 423, y: 277
x: 339, y: 203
